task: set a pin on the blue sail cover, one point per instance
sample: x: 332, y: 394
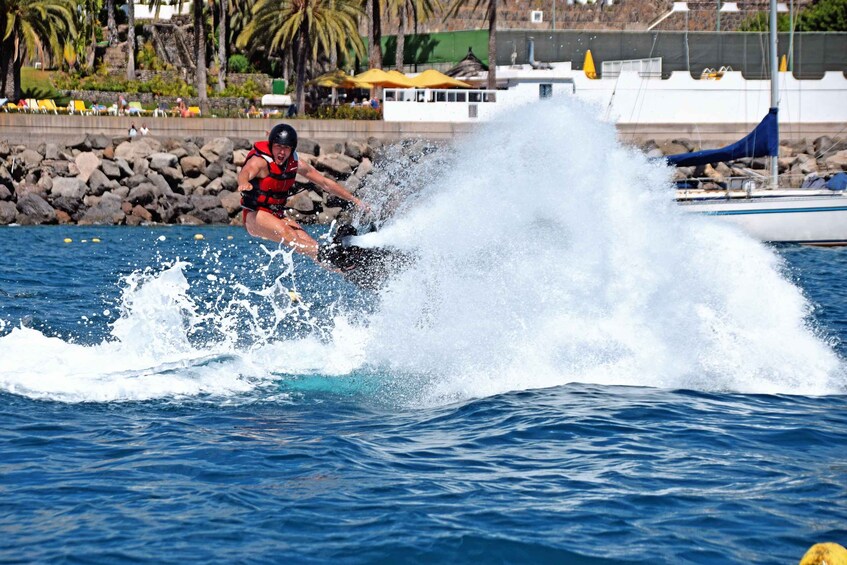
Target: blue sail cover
x: 761, y: 142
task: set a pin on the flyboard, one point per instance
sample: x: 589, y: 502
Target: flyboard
x: 367, y: 267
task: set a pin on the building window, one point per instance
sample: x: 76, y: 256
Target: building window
x: 545, y: 91
x: 536, y: 16
x: 473, y: 111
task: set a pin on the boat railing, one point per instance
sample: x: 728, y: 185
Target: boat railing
x: 425, y: 95
x: 752, y: 181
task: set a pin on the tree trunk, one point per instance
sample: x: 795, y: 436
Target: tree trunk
x: 222, y: 46
x: 200, y: 55
x: 401, y: 36
x: 492, y: 45
x: 302, y: 47
x: 111, y: 23
x: 374, y: 34
x: 10, y: 72
x: 130, y: 41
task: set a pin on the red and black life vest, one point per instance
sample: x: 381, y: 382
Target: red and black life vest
x: 270, y: 192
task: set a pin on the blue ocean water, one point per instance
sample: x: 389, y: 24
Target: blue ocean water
x: 584, y: 376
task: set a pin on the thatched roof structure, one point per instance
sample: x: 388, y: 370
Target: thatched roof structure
x: 467, y: 67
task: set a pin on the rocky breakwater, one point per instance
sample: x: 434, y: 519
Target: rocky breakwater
x: 95, y: 179
x: 798, y: 163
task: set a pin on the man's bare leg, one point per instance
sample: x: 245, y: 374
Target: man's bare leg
x: 282, y: 230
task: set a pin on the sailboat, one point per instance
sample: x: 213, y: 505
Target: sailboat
x: 761, y: 208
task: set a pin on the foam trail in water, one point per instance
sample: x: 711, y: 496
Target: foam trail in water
x: 550, y: 253
x: 165, y: 345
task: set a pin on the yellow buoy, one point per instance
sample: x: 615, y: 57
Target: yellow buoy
x: 229, y: 237
x: 95, y: 240
x: 198, y: 236
x: 68, y: 240
x: 829, y: 553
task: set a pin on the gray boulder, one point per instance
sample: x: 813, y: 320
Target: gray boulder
x: 192, y: 165
x: 35, y: 209
x: 189, y: 220
x: 110, y: 169
x: 98, y: 182
x: 51, y: 151
x: 8, y: 212
x: 219, y: 149
x: 106, y: 212
x: 364, y: 168
x: 123, y: 165
x: 212, y: 215
x: 79, y: 141
x: 301, y: 202
x: 162, y: 186
x: 99, y: 141
x: 143, y: 194
x: 67, y: 204
x: 309, y: 146
x: 86, y: 163
x: 213, y: 171
x: 837, y: 162
x: 70, y: 187
x: 231, y: 201
x: 29, y: 158
x: 334, y: 164
x: 161, y: 161
x: 229, y: 181
x: 204, y: 202
x: 134, y: 150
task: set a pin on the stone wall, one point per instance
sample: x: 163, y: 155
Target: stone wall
x: 95, y: 179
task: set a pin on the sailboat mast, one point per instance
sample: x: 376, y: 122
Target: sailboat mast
x: 774, y: 88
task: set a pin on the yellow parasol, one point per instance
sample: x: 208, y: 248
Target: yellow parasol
x: 588, y: 65
x: 378, y: 77
x: 783, y: 64
x: 434, y: 79
x: 337, y: 79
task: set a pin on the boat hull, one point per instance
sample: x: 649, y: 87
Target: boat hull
x: 812, y: 220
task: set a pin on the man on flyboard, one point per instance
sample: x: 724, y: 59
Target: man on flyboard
x: 267, y: 180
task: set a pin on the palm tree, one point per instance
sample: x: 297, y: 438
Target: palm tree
x: 373, y: 8
x: 111, y: 22
x: 420, y: 10
x: 130, y: 40
x: 223, y: 6
x: 307, y: 26
x: 491, y: 16
x: 30, y: 28
x: 199, y: 26
x: 200, y: 53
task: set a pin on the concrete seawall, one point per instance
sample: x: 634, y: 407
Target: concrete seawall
x: 38, y: 128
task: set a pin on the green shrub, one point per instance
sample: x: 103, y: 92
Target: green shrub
x: 346, y: 112
x: 238, y: 63
x: 247, y: 90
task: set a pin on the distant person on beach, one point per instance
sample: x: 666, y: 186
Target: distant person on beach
x: 122, y: 104
x: 267, y: 180
x: 181, y: 108
x: 132, y: 131
x: 144, y: 130
x: 161, y: 109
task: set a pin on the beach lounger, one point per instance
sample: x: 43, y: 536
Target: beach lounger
x: 32, y: 106
x: 135, y: 109
x: 78, y: 107
x: 3, y: 104
x: 48, y: 106
x: 194, y: 111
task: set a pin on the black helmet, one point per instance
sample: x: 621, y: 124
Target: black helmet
x: 283, y: 134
